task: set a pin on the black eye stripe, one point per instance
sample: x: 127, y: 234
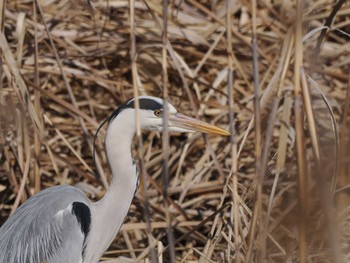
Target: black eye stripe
x: 145, y: 104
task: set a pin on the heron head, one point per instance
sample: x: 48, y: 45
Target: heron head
x: 151, y: 117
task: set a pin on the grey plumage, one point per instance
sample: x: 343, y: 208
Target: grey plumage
x: 43, y: 238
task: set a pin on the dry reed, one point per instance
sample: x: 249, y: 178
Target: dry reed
x: 275, y: 73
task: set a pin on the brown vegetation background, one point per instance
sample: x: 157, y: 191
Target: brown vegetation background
x: 275, y: 73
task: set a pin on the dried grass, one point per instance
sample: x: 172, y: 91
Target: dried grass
x: 276, y: 190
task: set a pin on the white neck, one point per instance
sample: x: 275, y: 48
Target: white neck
x: 108, y: 214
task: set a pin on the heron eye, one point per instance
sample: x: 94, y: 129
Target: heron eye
x: 158, y: 113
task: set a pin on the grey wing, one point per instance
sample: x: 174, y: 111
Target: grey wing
x: 51, y: 226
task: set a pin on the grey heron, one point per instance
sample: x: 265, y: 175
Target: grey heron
x: 61, y: 225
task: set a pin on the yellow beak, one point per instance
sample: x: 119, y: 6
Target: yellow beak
x: 190, y: 124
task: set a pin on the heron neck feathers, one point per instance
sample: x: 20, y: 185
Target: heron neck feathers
x: 109, y: 213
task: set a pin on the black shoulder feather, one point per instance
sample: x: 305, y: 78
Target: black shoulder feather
x: 83, y: 215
